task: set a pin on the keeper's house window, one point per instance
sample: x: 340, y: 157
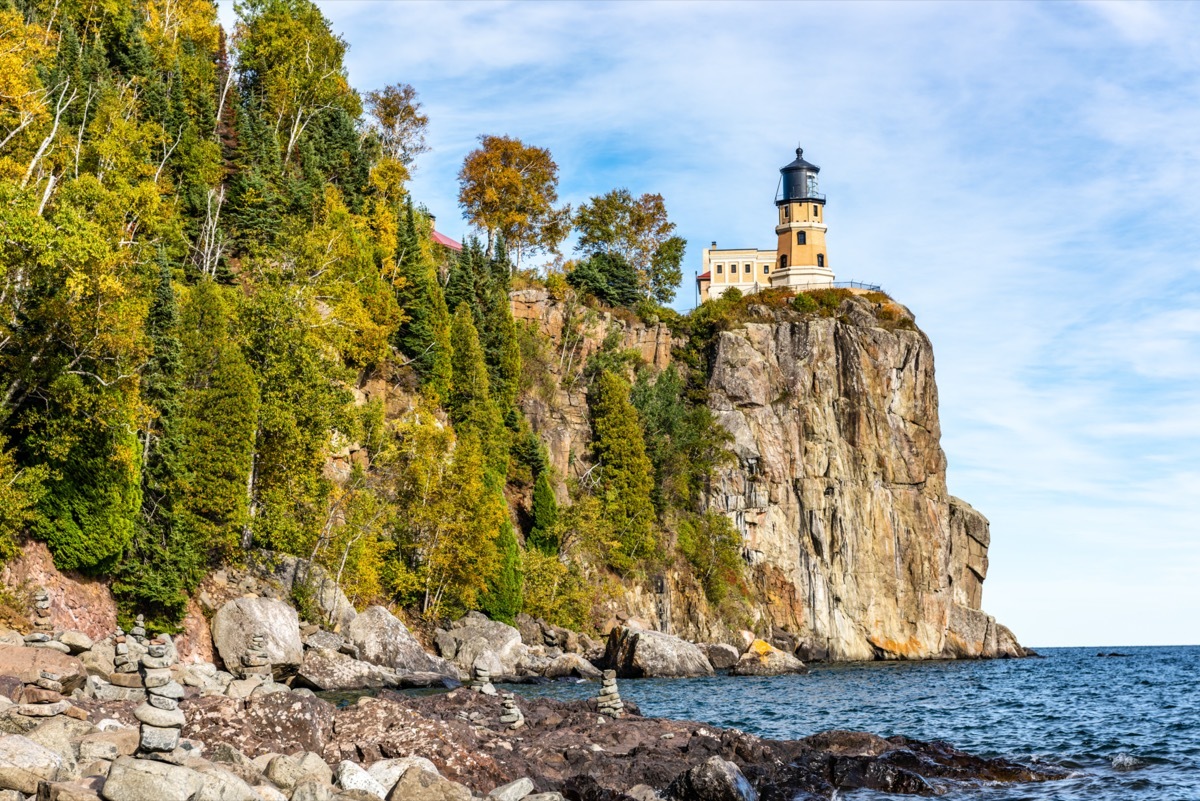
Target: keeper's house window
x: 820, y: 259
x: 718, y: 269
x: 766, y: 269
x: 746, y: 269
x: 801, y: 238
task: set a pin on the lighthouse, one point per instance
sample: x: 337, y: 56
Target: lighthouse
x: 801, y: 258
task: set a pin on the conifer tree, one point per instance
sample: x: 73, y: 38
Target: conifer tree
x: 502, y: 601
x: 544, y: 533
x: 626, y: 475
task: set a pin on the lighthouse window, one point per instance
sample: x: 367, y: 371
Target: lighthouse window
x: 801, y: 238
x: 820, y: 259
x: 783, y: 262
x: 786, y: 211
x: 815, y: 212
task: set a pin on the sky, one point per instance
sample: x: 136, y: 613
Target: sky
x: 1024, y: 176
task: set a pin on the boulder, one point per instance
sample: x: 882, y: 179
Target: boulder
x: 475, y: 636
x: 24, y: 763
x: 418, y: 784
x: 352, y: 777
x: 388, y: 771
x: 288, y: 771
x: 78, y: 790
x: 513, y: 791
x: 324, y: 669
x: 222, y: 785
x: 721, y: 656
x: 715, y: 779
x: 76, y: 641
x: 382, y: 639
x: 98, y: 660
x: 569, y: 665
x: 639, y: 653
x: 764, y: 659
x: 335, y: 609
x: 132, y: 779
x: 242, y: 618
x: 27, y: 665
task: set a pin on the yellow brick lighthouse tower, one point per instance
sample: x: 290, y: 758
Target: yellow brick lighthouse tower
x: 801, y: 260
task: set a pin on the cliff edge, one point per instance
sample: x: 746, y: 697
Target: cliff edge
x: 853, y: 547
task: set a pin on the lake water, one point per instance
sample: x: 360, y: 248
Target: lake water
x: 1128, y: 727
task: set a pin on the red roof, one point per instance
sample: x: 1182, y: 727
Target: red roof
x: 704, y: 277
x: 442, y: 239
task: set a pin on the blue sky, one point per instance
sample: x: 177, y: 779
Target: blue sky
x: 1025, y: 177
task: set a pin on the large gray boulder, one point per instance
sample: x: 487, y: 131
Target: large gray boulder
x: 292, y: 572
x: 27, y: 664
x: 764, y: 659
x: 132, y: 779
x: 638, y: 653
x: 324, y: 669
x: 476, y: 637
x: 24, y: 763
x: 382, y: 639
x: 715, y: 779
x: 239, y: 620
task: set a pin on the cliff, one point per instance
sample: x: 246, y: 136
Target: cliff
x: 854, y: 548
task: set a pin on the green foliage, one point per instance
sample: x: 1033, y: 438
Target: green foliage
x: 636, y: 233
x: 544, y: 534
x: 684, y: 442
x: 20, y: 491
x: 607, y: 276
x: 557, y: 591
x: 502, y: 601
x: 713, y: 547
x: 626, y: 476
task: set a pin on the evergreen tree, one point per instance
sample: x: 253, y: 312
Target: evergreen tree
x: 544, y: 533
x: 502, y: 601
x: 626, y: 475
x: 425, y: 336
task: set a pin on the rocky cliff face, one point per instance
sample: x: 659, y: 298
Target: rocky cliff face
x: 854, y: 547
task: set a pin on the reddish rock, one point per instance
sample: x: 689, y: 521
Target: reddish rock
x: 27, y: 664
x: 76, y: 601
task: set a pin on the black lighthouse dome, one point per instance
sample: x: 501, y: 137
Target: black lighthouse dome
x: 799, y: 181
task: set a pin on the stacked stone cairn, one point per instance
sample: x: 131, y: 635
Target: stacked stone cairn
x: 511, y: 716
x: 44, y: 698
x: 126, y: 661
x: 43, y: 629
x: 481, y: 681
x: 256, y: 662
x: 138, y: 632
x: 160, y: 716
x: 609, y: 700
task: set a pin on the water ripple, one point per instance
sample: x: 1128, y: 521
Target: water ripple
x: 1129, y: 727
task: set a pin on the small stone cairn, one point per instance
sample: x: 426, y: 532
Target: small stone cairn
x: 160, y: 716
x: 609, y: 700
x: 511, y: 716
x: 481, y: 681
x: 256, y: 662
x: 125, y: 661
x: 44, y: 697
x: 43, y: 628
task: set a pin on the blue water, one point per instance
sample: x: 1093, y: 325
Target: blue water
x: 1128, y: 728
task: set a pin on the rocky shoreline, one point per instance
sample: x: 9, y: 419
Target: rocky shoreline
x: 123, y: 719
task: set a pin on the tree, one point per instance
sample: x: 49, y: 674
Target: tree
x: 398, y: 122
x: 544, y: 533
x: 639, y: 231
x: 292, y: 64
x: 502, y: 601
x: 607, y: 276
x: 509, y: 188
x: 20, y: 491
x: 626, y: 475
x: 471, y: 405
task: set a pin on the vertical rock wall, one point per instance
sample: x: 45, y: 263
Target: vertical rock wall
x: 839, y: 490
